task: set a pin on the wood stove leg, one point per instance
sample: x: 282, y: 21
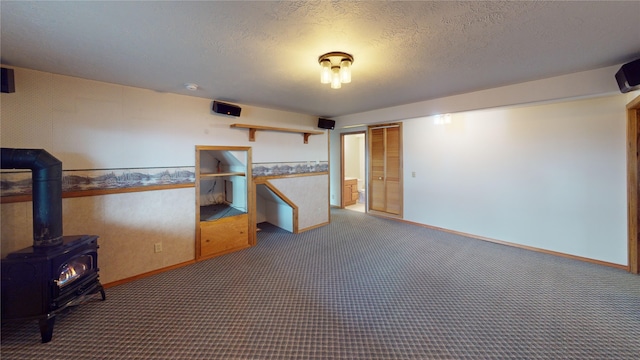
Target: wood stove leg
x: 104, y: 296
x: 46, y: 329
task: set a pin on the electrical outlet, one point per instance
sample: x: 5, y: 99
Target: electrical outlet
x: 413, y: 174
x: 157, y: 247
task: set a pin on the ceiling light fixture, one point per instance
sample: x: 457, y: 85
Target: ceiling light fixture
x: 191, y: 86
x: 335, y: 68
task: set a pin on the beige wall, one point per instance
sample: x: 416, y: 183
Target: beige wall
x: 550, y: 176
x: 128, y: 226
x: 309, y: 193
x: 94, y: 125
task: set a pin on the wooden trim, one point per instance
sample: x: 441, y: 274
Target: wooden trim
x: 17, y: 199
x: 263, y: 179
x: 385, y: 145
x: 634, y: 104
x: 223, y: 148
x: 198, y: 248
x: 313, y: 227
x: 385, y: 214
x: 633, y: 173
x: 369, y: 170
x: 384, y: 126
x: 342, y: 171
x: 212, y: 175
x: 329, y: 176
x: 401, y: 165
x: 147, y: 274
x: 506, y: 243
x: 342, y: 161
x: 97, y: 192
x: 253, y: 128
x: 251, y: 200
x: 224, y: 252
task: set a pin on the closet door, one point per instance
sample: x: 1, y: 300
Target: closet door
x: 385, y: 168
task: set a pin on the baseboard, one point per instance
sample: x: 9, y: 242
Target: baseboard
x: 506, y: 243
x: 225, y: 252
x: 147, y: 274
x: 313, y: 227
x: 385, y: 215
x: 172, y: 267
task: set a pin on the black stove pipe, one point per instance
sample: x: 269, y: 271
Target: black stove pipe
x: 46, y: 191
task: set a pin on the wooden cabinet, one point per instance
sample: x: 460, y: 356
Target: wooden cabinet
x: 224, y: 235
x: 350, y: 192
x: 223, y: 200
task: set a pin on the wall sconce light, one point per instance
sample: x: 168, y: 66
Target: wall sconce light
x: 442, y: 119
x: 335, y: 68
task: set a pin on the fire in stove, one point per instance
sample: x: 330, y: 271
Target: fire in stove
x: 58, y: 271
x: 74, y: 270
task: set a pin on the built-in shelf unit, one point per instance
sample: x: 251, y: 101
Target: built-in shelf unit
x: 224, y: 200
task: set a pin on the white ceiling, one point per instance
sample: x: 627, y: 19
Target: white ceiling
x: 265, y: 53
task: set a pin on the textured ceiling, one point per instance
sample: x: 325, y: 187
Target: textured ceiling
x: 265, y: 53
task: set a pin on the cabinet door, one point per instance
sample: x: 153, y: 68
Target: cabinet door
x: 350, y: 186
x: 346, y: 194
x: 224, y: 234
x: 354, y: 192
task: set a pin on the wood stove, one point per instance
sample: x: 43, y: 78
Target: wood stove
x: 40, y: 283
x: 58, y: 271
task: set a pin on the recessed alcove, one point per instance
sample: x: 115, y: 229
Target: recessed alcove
x: 272, y: 208
x: 223, y: 201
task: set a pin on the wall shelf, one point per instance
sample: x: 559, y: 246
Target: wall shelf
x: 254, y: 128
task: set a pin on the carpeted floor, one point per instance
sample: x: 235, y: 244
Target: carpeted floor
x: 360, y: 288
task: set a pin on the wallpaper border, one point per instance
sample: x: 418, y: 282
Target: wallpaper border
x: 19, y: 182
x: 289, y: 168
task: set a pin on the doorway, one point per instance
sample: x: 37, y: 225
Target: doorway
x: 385, y: 170
x: 353, y: 170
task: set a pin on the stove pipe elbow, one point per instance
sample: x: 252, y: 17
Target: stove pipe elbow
x: 46, y: 191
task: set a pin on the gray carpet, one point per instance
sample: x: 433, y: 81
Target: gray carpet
x: 359, y: 288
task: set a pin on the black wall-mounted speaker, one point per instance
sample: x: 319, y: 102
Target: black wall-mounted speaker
x: 227, y: 109
x: 628, y: 77
x: 8, y: 85
x: 326, y: 123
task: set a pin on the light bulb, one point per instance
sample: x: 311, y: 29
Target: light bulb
x: 325, y: 72
x: 345, y: 71
x: 335, y: 78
